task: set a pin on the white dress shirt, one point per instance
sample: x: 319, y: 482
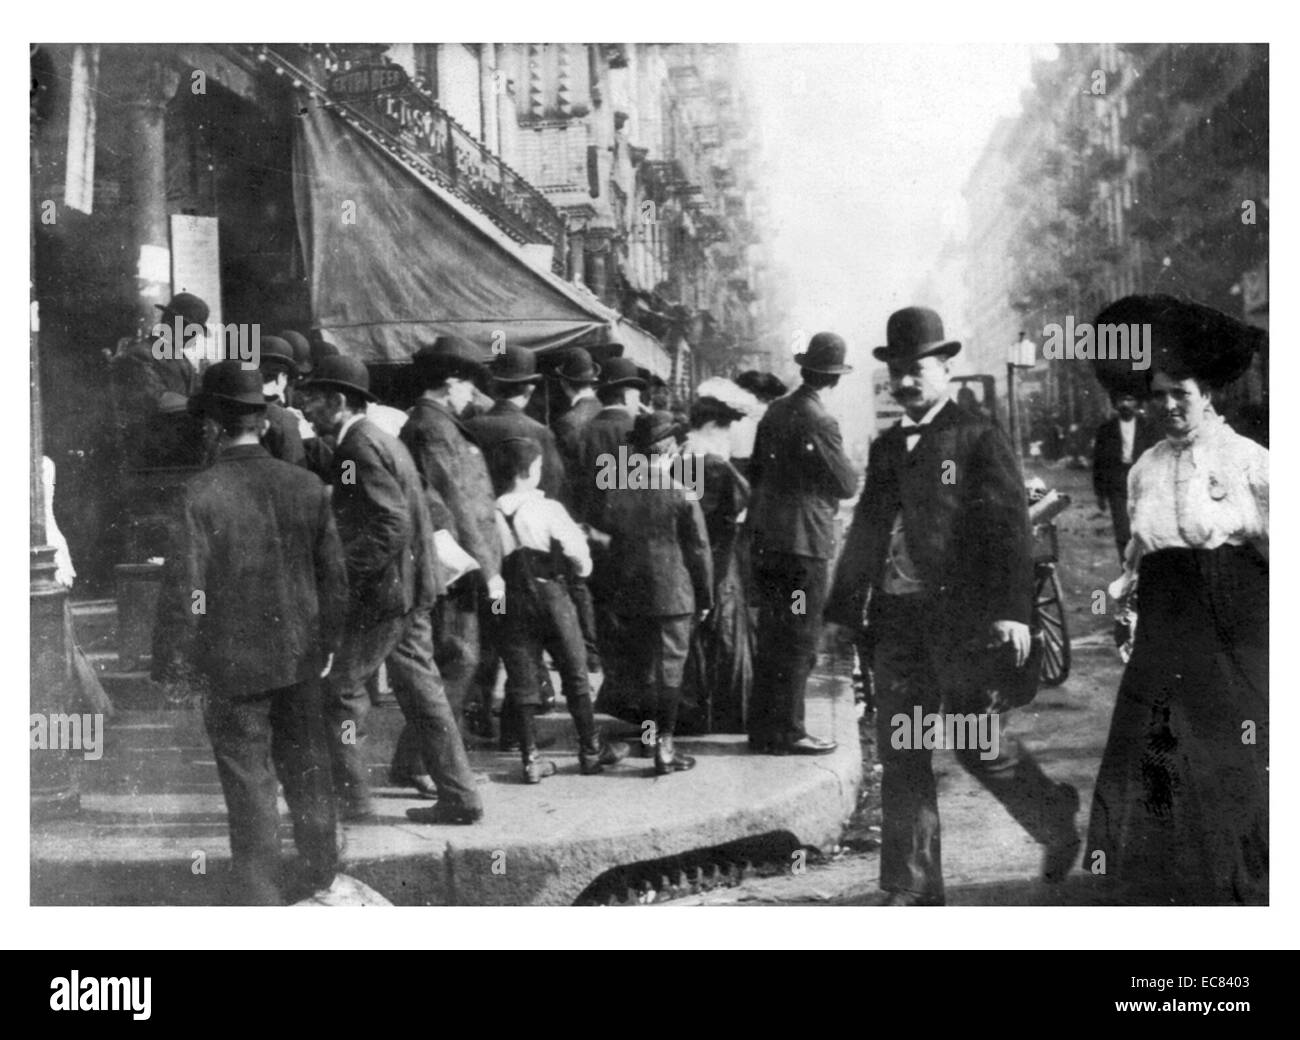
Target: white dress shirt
x: 1127, y: 431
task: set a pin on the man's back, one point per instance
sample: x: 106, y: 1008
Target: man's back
x: 506, y: 420
x: 254, y: 590
x: 384, y: 523
x: 608, y: 430
x: 659, y: 561
x: 451, y: 463
x: 799, y: 473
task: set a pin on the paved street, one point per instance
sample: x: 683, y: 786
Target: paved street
x: 988, y: 859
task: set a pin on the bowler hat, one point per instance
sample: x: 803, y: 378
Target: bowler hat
x: 578, y: 367
x: 825, y: 354
x: 652, y: 427
x: 340, y: 373
x: 301, y: 349
x: 447, y: 356
x: 187, y: 306
x: 621, y: 371
x: 915, y: 332
x: 1188, y: 339
x: 277, y: 354
x: 515, y: 365
x: 320, y: 348
x: 229, y: 386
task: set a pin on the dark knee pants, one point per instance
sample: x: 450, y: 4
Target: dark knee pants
x: 256, y: 738
x: 922, y: 661
x: 555, y: 629
x: 789, y: 627
x: 654, y: 655
x: 407, y: 644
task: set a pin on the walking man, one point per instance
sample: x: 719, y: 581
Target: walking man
x: 387, y: 537
x: 938, y: 556
x: 1121, y: 439
x: 252, y: 608
x: 798, y: 473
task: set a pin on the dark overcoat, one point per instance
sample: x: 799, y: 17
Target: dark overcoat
x: 257, y: 539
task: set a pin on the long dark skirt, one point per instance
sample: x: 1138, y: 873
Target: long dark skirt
x: 720, y: 669
x: 1180, y: 812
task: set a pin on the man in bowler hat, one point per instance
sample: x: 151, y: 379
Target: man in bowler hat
x: 938, y: 561
x: 451, y: 464
x: 620, y: 392
x: 387, y: 534
x: 279, y: 370
x: 798, y: 473
x: 577, y: 374
x: 252, y: 605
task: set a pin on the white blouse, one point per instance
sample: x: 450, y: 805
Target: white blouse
x: 1199, y: 492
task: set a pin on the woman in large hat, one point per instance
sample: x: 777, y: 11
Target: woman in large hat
x: 1181, y: 805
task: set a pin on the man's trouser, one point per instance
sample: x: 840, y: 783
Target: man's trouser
x: 458, y: 636
x: 791, y: 592
x: 407, y: 645
x: 924, y: 658
x: 255, y: 738
x: 1118, y: 503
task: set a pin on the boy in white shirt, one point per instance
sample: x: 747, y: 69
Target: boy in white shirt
x: 540, y: 542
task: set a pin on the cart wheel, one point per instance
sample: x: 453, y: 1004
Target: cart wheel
x: 1049, y: 614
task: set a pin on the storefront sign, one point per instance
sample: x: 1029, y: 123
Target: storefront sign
x: 368, y: 80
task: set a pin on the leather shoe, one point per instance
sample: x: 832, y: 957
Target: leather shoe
x: 806, y: 745
x: 356, y: 812
x: 669, y: 760
x: 537, y: 768
x: 912, y: 899
x: 457, y: 814
x: 1059, y: 856
x: 422, y: 782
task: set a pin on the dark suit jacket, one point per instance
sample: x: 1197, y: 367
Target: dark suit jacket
x: 383, y: 519
x: 607, y: 431
x: 1109, y: 473
x: 282, y: 437
x: 256, y: 536
x: 569, y: 426
x: 966, y: 525
x: 798, y: 474
x: 508, y: 420
x: 450, y: 462
x: 659, y: 563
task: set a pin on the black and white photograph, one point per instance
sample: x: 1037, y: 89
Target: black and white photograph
x: 649, y: 474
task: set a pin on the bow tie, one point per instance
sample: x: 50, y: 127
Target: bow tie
x: 915, y: 431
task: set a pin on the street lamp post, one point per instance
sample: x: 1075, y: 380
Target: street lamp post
x: 1023, y: 354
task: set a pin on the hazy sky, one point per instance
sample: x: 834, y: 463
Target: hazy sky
x: 864, y: 152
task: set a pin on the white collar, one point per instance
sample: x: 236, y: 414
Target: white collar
x: 929, y: 416
x: 516, y: 499
x: 348, y: 423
